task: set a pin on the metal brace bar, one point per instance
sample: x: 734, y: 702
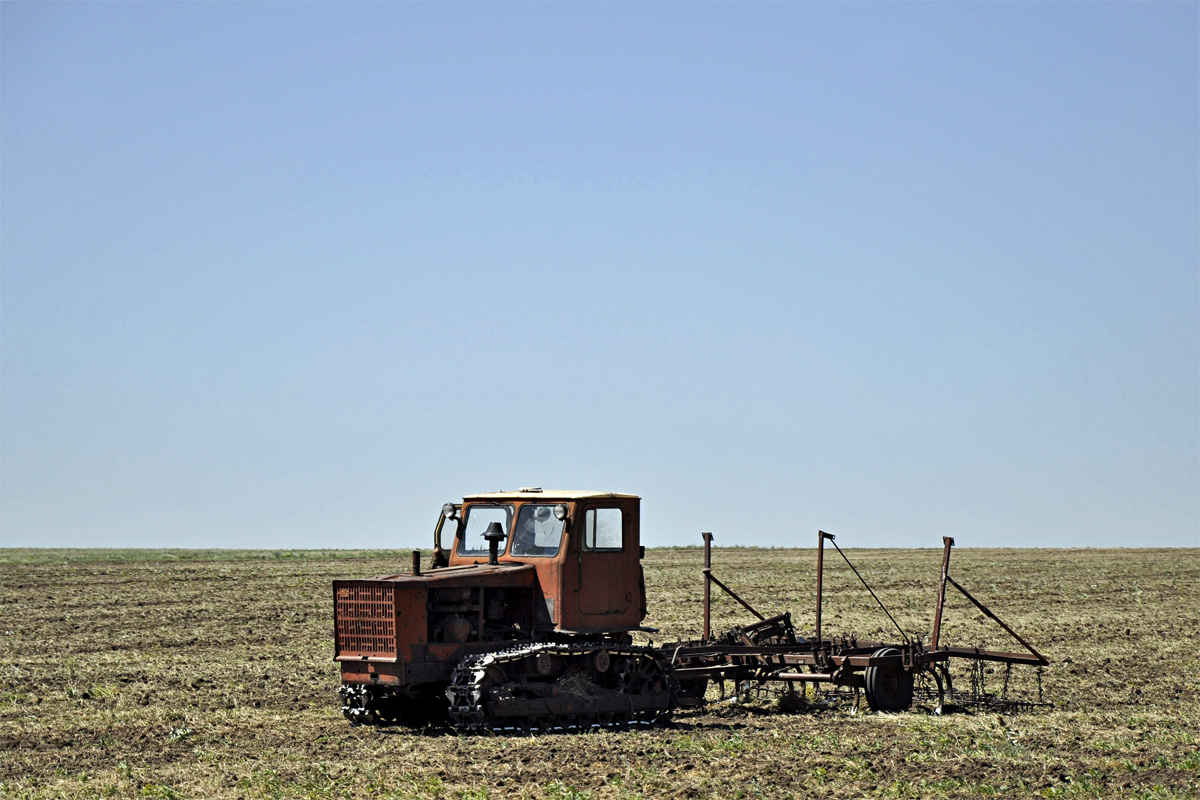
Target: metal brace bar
x: 999, y: 621
x: 733, y: 594
x: 872, y: 591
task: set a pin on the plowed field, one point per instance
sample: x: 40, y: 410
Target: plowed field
x: 209, y: 674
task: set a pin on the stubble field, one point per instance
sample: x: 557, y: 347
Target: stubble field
x: 209, y: 674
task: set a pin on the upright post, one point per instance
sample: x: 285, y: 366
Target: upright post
x: 821, y: 537
x: 947, y: 543
x: 707, y: 585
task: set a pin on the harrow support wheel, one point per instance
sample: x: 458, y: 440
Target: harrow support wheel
x: 691, y: 692
x: 889, y: 687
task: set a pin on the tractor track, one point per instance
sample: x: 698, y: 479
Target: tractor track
x: 563, y: 687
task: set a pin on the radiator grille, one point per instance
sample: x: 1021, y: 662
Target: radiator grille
x: 366, y: 620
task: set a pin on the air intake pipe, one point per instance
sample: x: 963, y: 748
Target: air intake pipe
x: 494, y: 535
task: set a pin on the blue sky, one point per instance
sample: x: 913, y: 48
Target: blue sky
x: 294, y: 275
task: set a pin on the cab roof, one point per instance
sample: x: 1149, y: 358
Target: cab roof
x: 537, y: 493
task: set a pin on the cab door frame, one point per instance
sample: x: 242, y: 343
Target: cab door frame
x: 605, y: 595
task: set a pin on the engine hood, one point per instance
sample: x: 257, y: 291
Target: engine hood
x: 468, y: 575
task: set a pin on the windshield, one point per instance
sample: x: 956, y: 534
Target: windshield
x: 538, y: 533
x: 476, y: 522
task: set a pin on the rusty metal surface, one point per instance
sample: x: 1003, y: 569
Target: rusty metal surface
x: 706, y: 629
x: 821, y: 537
x: 364, y: 619
x: 511, y: 573
x: 947, y: 543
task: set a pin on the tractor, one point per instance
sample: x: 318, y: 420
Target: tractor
x: 526, y: 620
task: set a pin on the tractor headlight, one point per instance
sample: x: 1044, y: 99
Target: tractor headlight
x: 560, y: 512
x: 449, y: 511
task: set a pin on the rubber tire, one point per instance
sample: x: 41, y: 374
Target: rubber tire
x: 888, y: 688
x: 691, y: 692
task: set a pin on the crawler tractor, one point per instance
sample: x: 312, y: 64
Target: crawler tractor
x: 526, y: 623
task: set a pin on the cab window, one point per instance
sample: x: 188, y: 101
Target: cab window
x: 603, y: 529
x: 537, y: 532
x: 476, y: 522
